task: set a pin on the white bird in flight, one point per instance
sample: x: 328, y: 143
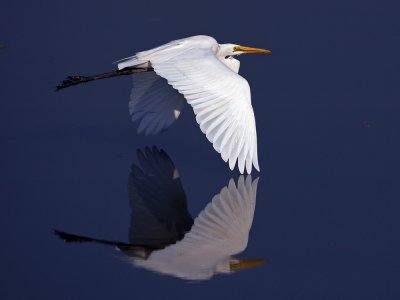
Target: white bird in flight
x: 163, y: 236
x: 203, y: 73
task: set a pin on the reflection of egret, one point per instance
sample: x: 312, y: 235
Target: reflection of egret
x: 203, y: 73
x: 163, y: 236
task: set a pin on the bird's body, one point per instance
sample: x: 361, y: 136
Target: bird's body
x: 179, y: 48
x: 203, y: 73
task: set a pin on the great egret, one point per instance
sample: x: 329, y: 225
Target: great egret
x: 203, y: 73
x: 162, y: 235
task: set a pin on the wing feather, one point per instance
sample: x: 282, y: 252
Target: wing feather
x: 154, y: 103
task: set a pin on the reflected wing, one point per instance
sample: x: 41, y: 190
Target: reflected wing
x: 159, y: 214
x: 154, y: 103
x: 220, y: 230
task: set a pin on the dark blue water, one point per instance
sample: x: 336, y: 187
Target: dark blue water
x: 327, y: 110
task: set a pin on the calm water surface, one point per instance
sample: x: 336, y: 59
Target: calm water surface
x: 325, y: 217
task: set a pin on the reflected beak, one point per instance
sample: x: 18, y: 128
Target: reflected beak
x: 245, y: 264
x: 251, y: 50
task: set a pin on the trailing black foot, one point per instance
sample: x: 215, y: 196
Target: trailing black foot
x: 71, y: 238
x: 72, y: 80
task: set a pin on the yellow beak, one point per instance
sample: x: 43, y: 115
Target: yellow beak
x: 245, y: 264
x: 251, y: 50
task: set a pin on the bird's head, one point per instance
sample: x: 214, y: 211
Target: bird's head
x: 232, y: 50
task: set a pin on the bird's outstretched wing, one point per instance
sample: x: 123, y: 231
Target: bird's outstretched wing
x: 159, y: 214
x: 154, y: 103
x: 220, y: 230
x: 220, y: 98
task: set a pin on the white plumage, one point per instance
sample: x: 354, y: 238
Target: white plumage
x: 203, y: 73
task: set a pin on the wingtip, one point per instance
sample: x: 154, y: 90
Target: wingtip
x: 241, y: 170
x: 232, y: 164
